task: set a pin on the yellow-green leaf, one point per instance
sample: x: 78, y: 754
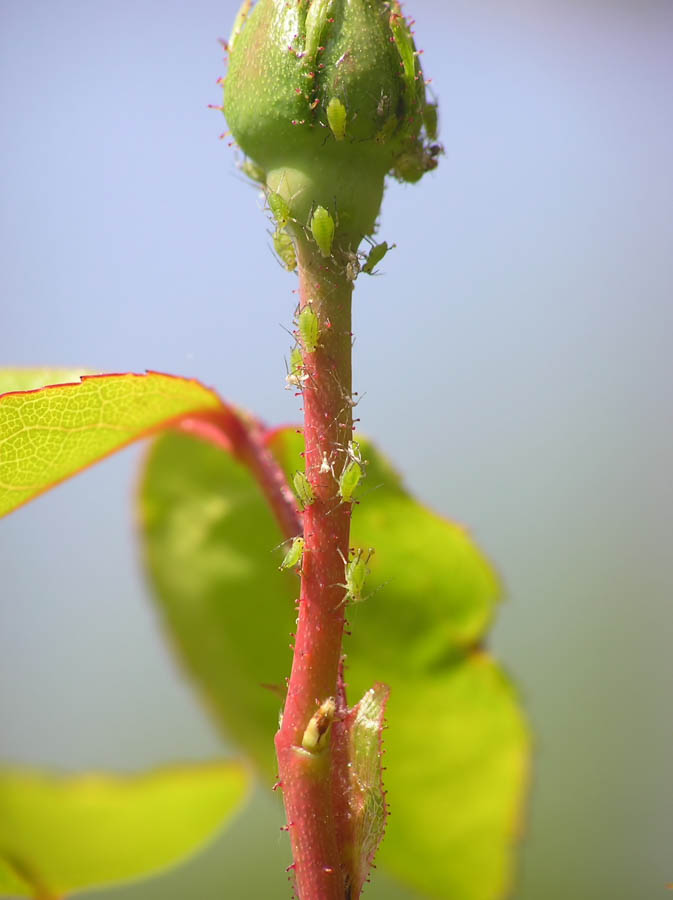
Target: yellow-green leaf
x: 61, y: 834
x: 48, y: 434
x: 19, y: 379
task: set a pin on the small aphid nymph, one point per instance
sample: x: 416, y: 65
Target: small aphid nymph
x: 430, y: 120
x: 322, y: 229
x: 375, y: 256
x: 336, y: 118
x: 309, y: 328
x: 293, y: 556
x: 296, y: 376
x: 303, y: 489
x: 279, y: 208
x: 284, y: 247
x: 253, y: 171
x: 356, y: 570
x: 349, y: 480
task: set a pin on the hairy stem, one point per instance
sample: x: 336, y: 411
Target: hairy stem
x: 306, y: 776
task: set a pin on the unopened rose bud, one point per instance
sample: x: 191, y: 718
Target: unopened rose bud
x: 327, y: 97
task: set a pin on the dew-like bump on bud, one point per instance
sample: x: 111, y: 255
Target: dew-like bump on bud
x: 327, y: 97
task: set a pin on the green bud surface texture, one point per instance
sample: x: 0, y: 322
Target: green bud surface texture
x: 327, y: 97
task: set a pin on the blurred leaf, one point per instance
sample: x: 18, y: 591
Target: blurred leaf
x: 60, y: 834
x: 49, y: 434
x: 457, y: 744
x: 210, y: 541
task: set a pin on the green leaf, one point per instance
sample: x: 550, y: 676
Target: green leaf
x: 46, y: 435
x: 210, y: 540
x: 457, y: 742
x: 60, y: 834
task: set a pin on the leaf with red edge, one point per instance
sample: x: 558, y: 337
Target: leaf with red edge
x: 49, y: 434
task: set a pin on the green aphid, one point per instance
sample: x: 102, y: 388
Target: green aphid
x: 349, y: 480
x: 253, y: 171
x: 316, y: 20
x: 309, y: 328
x: 279, y: 208
x: 356, y: 571
x: 404, y: 43
x: 336, y: 118
x: 374, y: 257
x: 322, y: 229
x: 430, y: 120
x: 293, y: 556
x: 303, y: 489
x: 284, y: 247
x: 296, y: 376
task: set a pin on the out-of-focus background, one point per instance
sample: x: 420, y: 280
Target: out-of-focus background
x: 514, y: 355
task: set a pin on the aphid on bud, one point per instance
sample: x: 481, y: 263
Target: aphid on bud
x: 303, y: 489
x: 336, y: 118
x: 284, y: 247
x: 430, y: 120
x: 293, y: 556
x: 355, y: 573
x: 349, y: 480
x: 316, y: 20
x: 322, y: 229
x: 253, y: 171
x: 375, y: 256
x: 309, y: 328
x: 316, y: 735
x: 279, y: 208
x: 296, y: 376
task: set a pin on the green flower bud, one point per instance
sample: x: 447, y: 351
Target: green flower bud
x: 327, y: 97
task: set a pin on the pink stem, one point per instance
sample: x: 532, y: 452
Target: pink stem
x: 307, y: 779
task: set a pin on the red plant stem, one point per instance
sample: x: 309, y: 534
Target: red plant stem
x: 306, y: 778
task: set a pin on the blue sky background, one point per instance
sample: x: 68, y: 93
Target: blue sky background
x: 515, y: 356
